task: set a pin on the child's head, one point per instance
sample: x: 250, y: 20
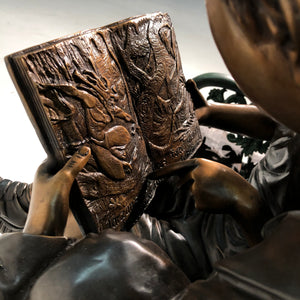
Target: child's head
x: 260, y: 43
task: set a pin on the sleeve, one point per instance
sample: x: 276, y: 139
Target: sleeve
x: 277, y: 175
x: 14, y: 203
x: 269, y: 270
x: 194, y: 240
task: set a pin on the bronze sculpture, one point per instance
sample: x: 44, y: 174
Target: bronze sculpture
x: 119, y: 90
x: 265, y: 32
x: 251, y: 280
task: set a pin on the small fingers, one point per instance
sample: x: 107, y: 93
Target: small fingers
x: 76, y: 163
x: 197, y: 97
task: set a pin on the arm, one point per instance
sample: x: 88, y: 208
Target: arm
x: 218, y: 189
x: 244, y: 119
x: 14, y: 203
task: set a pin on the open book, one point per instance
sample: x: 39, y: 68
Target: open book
x: 120, y: 90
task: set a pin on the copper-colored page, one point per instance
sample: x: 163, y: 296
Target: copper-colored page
x: 120, y: 90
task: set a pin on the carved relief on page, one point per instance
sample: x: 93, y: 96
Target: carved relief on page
x: 119, y: 90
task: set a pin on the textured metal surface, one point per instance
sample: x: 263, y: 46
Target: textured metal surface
x: 119, y: 90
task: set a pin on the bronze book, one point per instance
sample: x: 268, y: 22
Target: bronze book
x: 120, y: 90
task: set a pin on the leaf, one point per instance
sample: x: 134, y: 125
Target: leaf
x: 216, y: 95
x: 248, y: 145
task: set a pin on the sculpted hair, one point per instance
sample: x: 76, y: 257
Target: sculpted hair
x: 268, y: 22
